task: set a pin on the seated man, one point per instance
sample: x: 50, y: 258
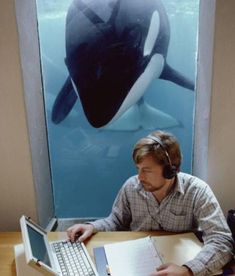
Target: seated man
x: 161, y: 197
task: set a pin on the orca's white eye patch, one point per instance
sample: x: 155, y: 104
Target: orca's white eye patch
x: 152, y: 71
x: 152, y: 34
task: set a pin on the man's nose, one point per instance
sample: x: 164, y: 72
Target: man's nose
x: 141, y: 176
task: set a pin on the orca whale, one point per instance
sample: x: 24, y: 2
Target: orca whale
x: 114, y: 50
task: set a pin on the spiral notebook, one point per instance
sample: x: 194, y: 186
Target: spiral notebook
x: 142, y: 256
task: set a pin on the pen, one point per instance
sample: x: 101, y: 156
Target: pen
x: 108, y: 270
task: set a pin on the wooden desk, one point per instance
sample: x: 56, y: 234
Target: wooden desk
x: 9, y: 239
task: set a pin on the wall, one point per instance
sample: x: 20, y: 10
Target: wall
x: 34, y: 102
x: 221, y: 151
x: 203, y: 87
x: 16, y: 180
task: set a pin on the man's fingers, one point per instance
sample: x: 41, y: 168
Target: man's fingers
x: 84, y: 236
x: 73, y: 232
x: 80, y: 232
x: 163, y: 266
x: 161, y: 272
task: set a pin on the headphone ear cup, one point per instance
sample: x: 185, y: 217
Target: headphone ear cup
x: 169, y: 171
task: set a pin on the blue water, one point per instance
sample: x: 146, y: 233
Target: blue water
x: 89, y: 165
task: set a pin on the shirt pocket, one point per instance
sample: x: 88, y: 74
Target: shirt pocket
x: 177, y: 222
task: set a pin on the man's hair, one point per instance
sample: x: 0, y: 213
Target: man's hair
x: 147, y: 146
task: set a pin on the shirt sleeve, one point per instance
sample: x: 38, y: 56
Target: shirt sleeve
x: 218, y: 242
x: 120, y: 216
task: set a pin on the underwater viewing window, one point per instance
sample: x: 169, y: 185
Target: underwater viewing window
x: 113, y: 71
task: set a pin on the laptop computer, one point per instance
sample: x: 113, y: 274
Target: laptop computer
x: 62, y: 257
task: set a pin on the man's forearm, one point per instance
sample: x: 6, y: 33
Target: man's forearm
x: 210, y: 260
x: 105, y: 224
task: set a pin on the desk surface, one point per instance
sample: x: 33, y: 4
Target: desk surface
x: 9, y: 239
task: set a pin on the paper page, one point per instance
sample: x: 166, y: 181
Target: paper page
x: 133, y: 258
x: 178, y: 248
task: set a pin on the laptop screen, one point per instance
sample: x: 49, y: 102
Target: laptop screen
x: 38, y: 246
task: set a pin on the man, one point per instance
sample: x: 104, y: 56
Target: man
x: 162, y: 198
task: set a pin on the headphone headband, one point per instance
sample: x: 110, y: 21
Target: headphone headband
x: 169, y: 170
x: 156, y: 139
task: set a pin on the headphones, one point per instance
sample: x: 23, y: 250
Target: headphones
x: 169, y: 170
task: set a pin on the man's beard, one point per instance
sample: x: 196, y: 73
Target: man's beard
x: 149, y: 188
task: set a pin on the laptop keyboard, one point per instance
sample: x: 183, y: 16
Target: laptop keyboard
x: 72, y: 259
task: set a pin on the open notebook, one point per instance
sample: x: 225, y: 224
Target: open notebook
x: 142, y: 256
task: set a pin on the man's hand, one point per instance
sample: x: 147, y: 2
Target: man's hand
x: 172, y: 270
x: 80, y: 232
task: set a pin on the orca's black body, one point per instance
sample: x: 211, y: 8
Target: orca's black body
x: 105, y: 41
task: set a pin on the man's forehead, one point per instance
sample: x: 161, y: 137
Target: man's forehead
x: 147, y: 161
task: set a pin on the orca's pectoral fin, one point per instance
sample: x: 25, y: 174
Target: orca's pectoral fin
x: 172, y: 75
x: 64, y: 102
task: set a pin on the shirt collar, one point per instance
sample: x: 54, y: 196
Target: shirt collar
x: 179, y: 187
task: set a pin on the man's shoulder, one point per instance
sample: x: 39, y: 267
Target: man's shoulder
x: 133, y: 180
x: 190, y: 181
x: 132, y: 183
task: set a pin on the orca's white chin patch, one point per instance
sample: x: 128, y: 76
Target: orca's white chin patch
x: 143, y: 116
x: 152, y: 71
